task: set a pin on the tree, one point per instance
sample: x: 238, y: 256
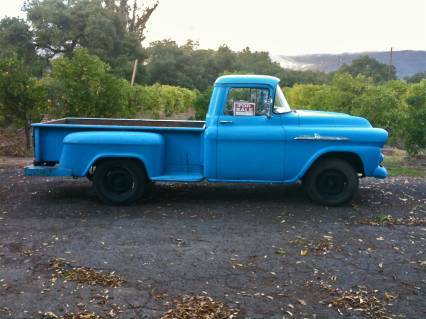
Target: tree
x: 257, y: 62
x: 416, y: 78
x: 107, y: 28
x: 370, y: 67
x: 83, y: 86
x: 169, y: 64
x: 383, y: 109
x: 21, y: 95
x: 309, y: 96
x: 16, y: 40
x: 415, y: 123
x: 346, y: 92
x: 133, y: 20
x: 291, y: 77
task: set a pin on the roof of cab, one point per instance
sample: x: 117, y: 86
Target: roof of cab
x: 247, y: 79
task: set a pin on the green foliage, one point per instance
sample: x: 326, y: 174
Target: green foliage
x: 187, y: 66
x: 291, y: 77
x: 201, y: 104
x: 16, y: 40
x: 257, y: 63
x: 162, y: 100
x: 415, y: 121
x: 21, y: 95
x: 416, y: 78
x: 341, y: 95
x: 398, y: 107
x: 167, y: 62
x: 82, y: 86
x: 397, y: 164
x: 370, y: 67
x: 62, y: 26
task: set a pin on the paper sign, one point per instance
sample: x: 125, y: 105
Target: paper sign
x: 242, y: 108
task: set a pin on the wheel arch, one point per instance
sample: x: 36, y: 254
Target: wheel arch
x: 102, y: 158
x: 351, y: 158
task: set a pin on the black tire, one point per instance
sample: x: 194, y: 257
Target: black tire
x: 331, y: 182
x: 119, y: 181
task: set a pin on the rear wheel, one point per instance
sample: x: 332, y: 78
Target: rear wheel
x: 331, y: 182
x: 119, y: 181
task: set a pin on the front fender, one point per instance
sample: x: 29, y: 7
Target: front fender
x: 304, y: 145
x: 81, y: 150
x: 370, y: 157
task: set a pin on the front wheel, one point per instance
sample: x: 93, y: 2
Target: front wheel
x: 331, y: 182
x: 119, y: 181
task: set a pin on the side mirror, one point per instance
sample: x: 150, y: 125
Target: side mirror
x: 269, y: 104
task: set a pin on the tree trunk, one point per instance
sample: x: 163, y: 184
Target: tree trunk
x: 27, y: 130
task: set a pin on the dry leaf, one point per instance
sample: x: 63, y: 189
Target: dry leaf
x: 389, y: 296
x: 199, y: 307
x: 302, y: 302
x: 83, y: 275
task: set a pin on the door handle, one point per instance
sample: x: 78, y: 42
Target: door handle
x: 226, y: 122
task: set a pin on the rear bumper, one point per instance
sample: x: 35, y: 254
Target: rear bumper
x: 33, y: 170
x: 380, y: 172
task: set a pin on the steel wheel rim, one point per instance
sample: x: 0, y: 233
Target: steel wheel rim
x: 331, y: 183
x: 118, y: 181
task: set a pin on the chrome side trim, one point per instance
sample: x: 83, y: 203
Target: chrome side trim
x: 317, y: 137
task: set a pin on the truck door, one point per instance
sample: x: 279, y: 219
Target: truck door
x: 250, y: 146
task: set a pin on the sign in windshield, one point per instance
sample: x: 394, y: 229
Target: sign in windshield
x: 242, y: 108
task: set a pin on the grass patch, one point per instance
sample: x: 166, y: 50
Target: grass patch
x: 399, y: 164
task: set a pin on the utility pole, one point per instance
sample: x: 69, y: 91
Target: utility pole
x: 135, y: 66
x: 390, y: 64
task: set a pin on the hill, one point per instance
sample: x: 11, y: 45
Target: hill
x: 407, y: 62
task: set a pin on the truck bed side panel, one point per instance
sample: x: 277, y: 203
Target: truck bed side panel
x: 182, y: 146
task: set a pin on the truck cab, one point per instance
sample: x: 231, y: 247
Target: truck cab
x: 250, y: 135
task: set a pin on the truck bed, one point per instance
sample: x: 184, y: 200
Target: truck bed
x: 183, y: 141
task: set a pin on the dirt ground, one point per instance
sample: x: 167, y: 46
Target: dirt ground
x: 264, y: 250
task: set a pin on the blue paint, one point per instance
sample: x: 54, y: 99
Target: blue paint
x: 380, y: 172
x: 46, y: 171
x: 276, y: 149
x: 246, y: 80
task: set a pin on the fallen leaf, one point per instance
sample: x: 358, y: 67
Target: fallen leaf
x: 194, y: 307
x: 280, y: 252
x: 304, y: 252
x: 302, y: 302
x: 389, y: 296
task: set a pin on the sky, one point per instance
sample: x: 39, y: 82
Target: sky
x: 286, y: 27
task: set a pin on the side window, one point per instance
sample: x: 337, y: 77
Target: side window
x: 247, y: 102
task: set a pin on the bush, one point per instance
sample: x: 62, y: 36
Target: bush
x: 395, y: 106
x: 415, y: 122
x: 82, y: 86
x: 157, y: 100
x: 201, y: 104
x: 21, y: 96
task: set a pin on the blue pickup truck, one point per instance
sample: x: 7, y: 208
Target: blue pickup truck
x: 250, y: 135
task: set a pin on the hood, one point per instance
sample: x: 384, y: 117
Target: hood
x: 322, y: 118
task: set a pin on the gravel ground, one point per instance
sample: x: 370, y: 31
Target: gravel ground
x: 263, y: 250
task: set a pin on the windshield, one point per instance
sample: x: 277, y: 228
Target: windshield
x: 280, y: 103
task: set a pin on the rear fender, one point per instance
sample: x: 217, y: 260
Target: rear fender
x: 81, y: 150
